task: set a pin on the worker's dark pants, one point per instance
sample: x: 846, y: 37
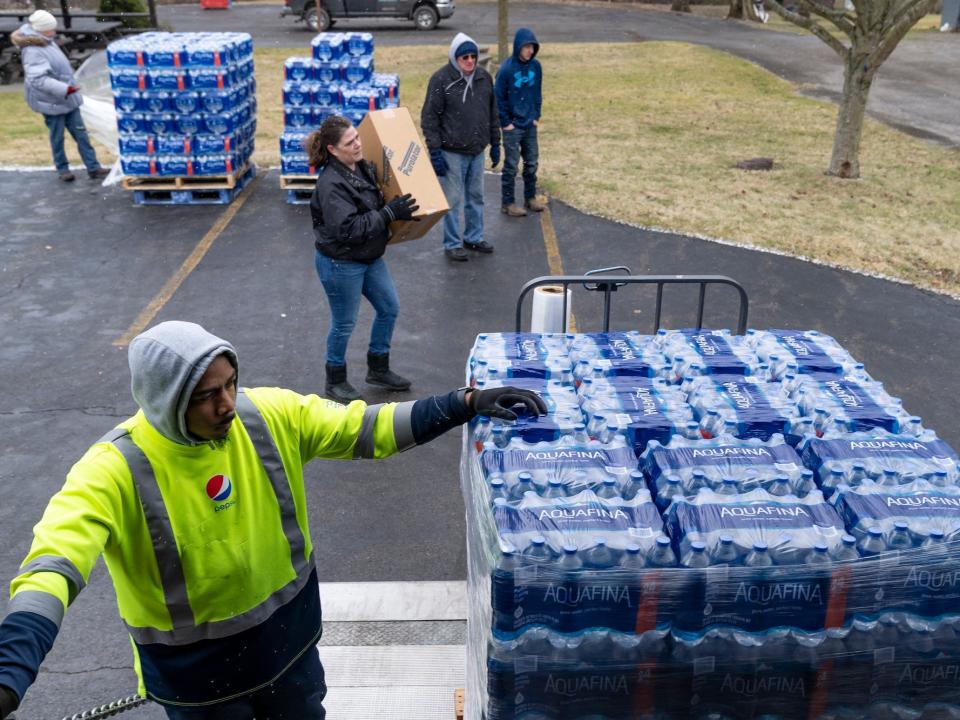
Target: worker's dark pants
x: 297, y: 695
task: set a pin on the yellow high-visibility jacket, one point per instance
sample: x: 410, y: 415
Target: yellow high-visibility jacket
x: 208, y: 546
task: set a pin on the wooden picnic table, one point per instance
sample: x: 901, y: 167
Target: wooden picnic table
x: 85, y: 36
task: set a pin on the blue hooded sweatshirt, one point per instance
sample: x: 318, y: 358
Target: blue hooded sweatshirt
x: 518, y: 84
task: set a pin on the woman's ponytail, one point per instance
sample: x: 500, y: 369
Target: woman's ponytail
x: 329, y: 133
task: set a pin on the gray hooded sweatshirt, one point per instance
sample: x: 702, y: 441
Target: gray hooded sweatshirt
x: 166, y: 363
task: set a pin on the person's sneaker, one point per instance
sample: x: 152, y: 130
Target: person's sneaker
x: 536, y: 204
x: 456, y: 254
x: 481, y: 247
x: 99, y: 173
x: 513, y: 210
x: 67, y: 176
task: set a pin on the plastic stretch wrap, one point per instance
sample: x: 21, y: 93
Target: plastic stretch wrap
x: 720, y: 576
x: 184, y: 103
x: 337, y: 79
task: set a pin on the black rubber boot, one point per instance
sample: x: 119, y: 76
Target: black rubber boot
x: 337, y: 387
x: 380, y: 374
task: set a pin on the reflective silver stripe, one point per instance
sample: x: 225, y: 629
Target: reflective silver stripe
x: 366, y: 445
x: 230, y: 626
x: 266, y: 448
x: 61, y: 566
x: 185, y: 630
x: 161, y: 532
x: 39, y: 603
x: 402, y: 426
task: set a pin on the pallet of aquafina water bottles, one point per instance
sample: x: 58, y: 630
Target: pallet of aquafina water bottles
x: 707, y: 525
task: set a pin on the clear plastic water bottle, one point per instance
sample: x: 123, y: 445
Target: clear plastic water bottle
x: 696, y: 557
x: 662, y: 554
x: 692, y: 431
x: 670, y: 491
x: 633, y: 484
x: 835, y: 478
x: 889, y: 478
x: 805, y: 483
x: 608, y: 489
x: 858, y: 473
x: 779, y: 486
x: 523, y: 485
x: 725, y: 552
x: 820, y: 555
x: 847, y: 549
x: 728, y: 486
x: 759, y: 556
x: 899, y: 537
x: 632, y: 558
x: 599, y: 556
x: 538, y: 550
x: 570, y: 560
x: 498, y: 490
x: 872, y: 544
x: 499, y: 436
x: 509, y: 561
x: 555, y: 488
x: 696, y: 482
x: 934, y: 546
x: 711, y: 425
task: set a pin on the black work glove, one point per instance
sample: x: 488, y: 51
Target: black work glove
x: 495, y: 155
x: 402, y: 207
x: 8, y: 702
x: 439, y: 162
x: 496, y: 402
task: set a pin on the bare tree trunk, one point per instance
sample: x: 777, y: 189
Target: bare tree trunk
x: 736, y: 10
x: 845, y: 161
x: 680, y: 5
x: 502, y: 51
x: 40, y: 4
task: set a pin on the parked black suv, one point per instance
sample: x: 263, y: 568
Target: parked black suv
x: 319, y: 15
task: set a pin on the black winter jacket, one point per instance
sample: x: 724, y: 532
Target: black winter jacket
x: 449, y: 123
x: 349, y: 222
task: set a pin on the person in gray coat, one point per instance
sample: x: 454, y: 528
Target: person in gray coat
x: 51, y: 90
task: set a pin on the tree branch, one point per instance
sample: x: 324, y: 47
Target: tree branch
x: 908, y: 17
x: 815, y: 28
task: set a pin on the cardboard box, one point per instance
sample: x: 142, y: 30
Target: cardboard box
x: 391, y: 142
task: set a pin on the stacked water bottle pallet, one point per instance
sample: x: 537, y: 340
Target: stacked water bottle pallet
x: 338, y: 79
x: 186, y: 112
x: 707, y: 525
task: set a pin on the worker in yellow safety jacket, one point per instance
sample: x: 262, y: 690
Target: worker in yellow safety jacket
x: 197, y: 505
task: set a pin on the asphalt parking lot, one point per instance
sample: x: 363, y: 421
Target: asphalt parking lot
x: 82, y: 264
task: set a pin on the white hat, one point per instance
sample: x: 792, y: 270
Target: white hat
x: 41, y: 21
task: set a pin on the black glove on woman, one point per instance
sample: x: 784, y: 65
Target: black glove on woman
x: 496, y: 402
x: 401, y: 207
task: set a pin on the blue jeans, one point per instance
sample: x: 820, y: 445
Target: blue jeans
x: 73, y: 122
x: 463, y: 186
x: 345, y: 281
x: 297, y: 695
x: 517, y: 143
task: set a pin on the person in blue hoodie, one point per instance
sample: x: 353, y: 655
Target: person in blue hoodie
x: 519, y: 97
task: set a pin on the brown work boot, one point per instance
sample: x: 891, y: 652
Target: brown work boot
x: 537, y: 204
x: 66, y: 176
x: 513, y: 210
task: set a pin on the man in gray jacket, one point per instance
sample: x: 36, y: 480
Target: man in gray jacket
x: 51, y: 90
x: 459, y: 119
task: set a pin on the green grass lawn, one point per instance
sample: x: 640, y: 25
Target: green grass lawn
x: 649, y: 133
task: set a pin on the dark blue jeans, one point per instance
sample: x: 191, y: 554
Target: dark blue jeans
x: 344, y: 282
x: 519, y: 143
x: 73, y: 122
x: 297, y: 695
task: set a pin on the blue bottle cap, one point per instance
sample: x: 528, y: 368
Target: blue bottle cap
x: 697, y: 546
x: 760, y: 546
x: 570, y: 549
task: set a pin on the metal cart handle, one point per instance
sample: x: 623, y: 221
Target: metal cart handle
x: 609, y: 283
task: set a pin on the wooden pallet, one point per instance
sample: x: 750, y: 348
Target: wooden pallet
x: 298, y: 182
x: 191, y: 182
x: 193, y: 194
x: 458, y: 703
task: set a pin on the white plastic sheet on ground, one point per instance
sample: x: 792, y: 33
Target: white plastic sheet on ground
x: 99, y: 114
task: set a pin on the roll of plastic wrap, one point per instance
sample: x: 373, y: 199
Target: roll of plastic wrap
x: 548, y: 309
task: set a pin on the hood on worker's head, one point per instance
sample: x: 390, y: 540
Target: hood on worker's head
x: 166, y: 363
x: 458, y: 41
x: 523, y: 37
x: 27, y: 36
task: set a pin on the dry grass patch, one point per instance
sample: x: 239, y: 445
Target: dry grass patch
x: 649, y: 133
